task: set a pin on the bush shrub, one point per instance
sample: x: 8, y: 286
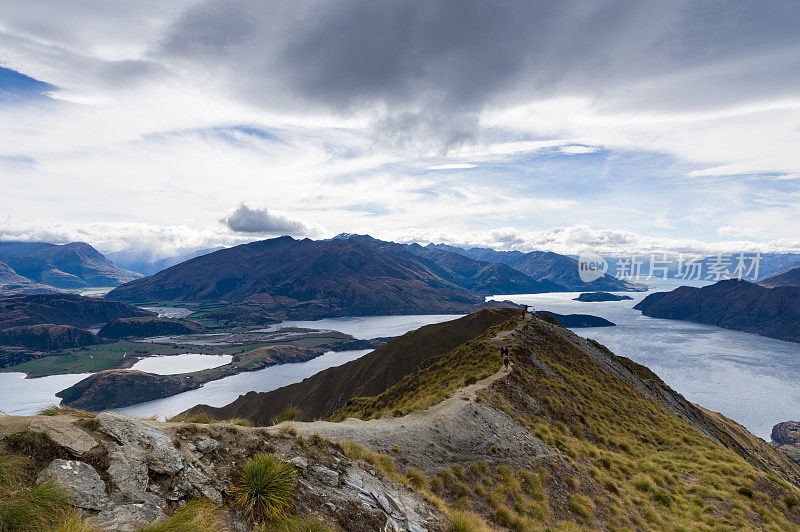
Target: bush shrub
x: 265, y: 487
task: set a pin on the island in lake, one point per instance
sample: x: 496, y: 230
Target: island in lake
x: 593, y: 297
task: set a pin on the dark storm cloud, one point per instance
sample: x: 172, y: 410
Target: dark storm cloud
x: 459, y: 56
x: 261, y: 221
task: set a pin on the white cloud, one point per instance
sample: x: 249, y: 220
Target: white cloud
x: 452, y: 166
x: 163, y: 120
x: 577, y: 149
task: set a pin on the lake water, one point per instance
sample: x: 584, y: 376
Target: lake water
x: 367, y: 327
x: 23, y: 397
x: 748, y: 378
x: 223, y: 391
x: 27, y: 396
x: 174, y: 364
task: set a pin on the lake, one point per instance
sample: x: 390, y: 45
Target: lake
x: 223, y: 391
x: 22, y: 396
x: 748, y: 378
x: 367, y: 327
x: 174, y: 364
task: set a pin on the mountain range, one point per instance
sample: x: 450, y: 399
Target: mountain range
x: 306, y: 279
x: 545, y: 265
x: 790, y: 278
x: 353, y: 275
x: 732, y: 304
x: 39, y: 267
x: 54, y: 321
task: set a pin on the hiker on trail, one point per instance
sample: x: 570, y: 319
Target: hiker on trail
x: 524, y: 311
x: 504, y: 352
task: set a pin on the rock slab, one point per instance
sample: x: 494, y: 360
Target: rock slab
x: 84, y: 485
x: 128, y: 471
x: 65, y: 434
x: 162, y: 457
x: 129, y: 517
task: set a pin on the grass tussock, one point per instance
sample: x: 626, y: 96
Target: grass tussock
x: 25, y: 506
x: 265, y: 487
x: 36, y: 446
x: 240, y: 422
x: 293, y: 523
x: 74, y: 522
x: 198, y: 515
x: 59, y: 410
x: 200, y: 417
x: 382, y: 462
x: 290, y: 414
x: 464, y: 521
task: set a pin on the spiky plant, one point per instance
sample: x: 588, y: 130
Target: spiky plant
x: 265, y: 487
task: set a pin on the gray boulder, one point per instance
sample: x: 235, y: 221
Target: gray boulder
x: 129, y: 517
x: 65, y: 434
x: 162, y: 457
x: 192, y: 482
x: 80, y: 480
x: 128, y: 471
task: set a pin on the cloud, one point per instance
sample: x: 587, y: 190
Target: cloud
x: 452, y: 166
x: 261, y: 221
x: 164, y: 112
x: 577, y: 149
x: 573, y: 240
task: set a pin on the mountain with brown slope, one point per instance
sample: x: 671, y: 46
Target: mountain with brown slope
x: 790, y: 278
x: 321, y: 394
x: 13, y: 283
x: 732, y: 304
x: 572, y: 436
x: 306, y: 279
x: 62, y: 309
x: 147, y: 326
x: 73, y: 265
x: 546, y: 266
x: 47, y: 337
x: 480, y: 277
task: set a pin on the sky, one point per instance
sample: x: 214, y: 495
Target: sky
x: 162, y: 127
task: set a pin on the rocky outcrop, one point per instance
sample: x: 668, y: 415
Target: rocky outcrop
x: 153, y: 468
x: 786, y: 437
x: 127, y: 470
x: 161, y: 455
x: 592, y: 297
x: 129, y: 517
x: 147, y: 327
x: 85, y: 487
x: 64, y: 432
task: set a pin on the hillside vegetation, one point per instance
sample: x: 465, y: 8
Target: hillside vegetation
x: 320, y: 395
x: 632, y: 453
